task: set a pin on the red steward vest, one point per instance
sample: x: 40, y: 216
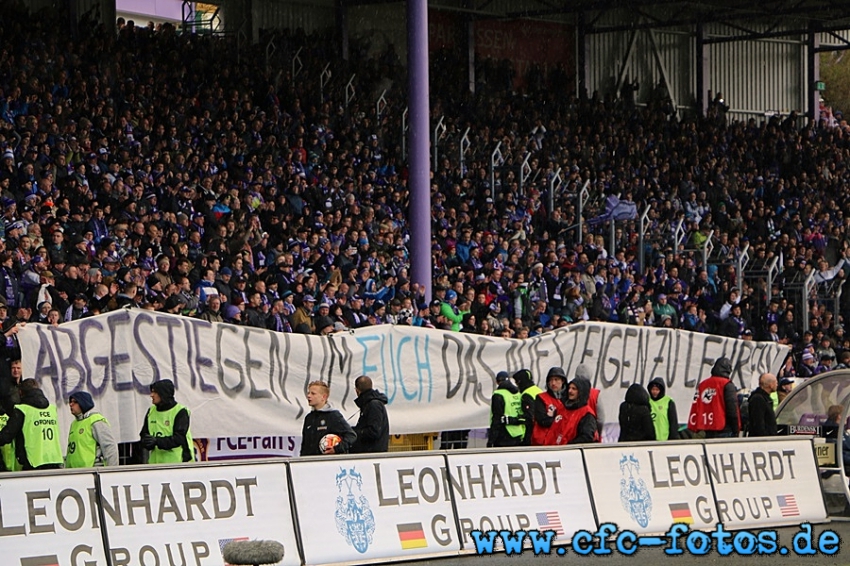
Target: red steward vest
x: 708, y: 410
x: 571, y: 424
x: 553, y: 435
x: 592, y: 401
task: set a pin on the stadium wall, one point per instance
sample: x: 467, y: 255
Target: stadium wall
x: 609, y: 56
x: 758, y: 76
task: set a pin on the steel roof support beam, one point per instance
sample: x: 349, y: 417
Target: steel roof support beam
x: 660, y: 62
x: 621, y: 76
x: 582, y: 49
x: 811, y: 95
x: 703, y: 71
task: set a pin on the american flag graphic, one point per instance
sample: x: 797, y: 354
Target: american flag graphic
x: 788, y: 505
x: 550, y: 521
x: 222, y: 542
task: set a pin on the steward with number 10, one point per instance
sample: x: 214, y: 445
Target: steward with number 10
x: 33, y: 426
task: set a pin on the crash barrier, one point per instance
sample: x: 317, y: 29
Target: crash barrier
x: 388, y: 507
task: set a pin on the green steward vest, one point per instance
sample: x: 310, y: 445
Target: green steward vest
x: 513, y: 408
x: 162, y: 424
x: 82, y: 447
x: 775, y: 398
x: 533, y: 391
x: 659, y: 417
x: 7, y: 452
x: 41, y: 435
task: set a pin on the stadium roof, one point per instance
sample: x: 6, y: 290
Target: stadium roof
x: 824, y: 13
x: 771, y: 16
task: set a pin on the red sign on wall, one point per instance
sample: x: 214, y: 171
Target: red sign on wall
x: 445, y: 30
x: 526, y: 43
x: 523, y: 42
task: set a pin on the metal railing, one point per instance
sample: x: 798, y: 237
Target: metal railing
x: 681, y: 240
x: 798, y: 289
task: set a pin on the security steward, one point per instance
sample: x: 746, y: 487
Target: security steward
x: 664, y: 415
x: 90, y: 439
x: 507, y: 425
x: 528, y: 393
x: 33, y: 426
x: 165, y: 432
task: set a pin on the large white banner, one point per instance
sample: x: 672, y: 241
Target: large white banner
x: 360, y: 510
x: 186, y: 515
x: 646, y: 488
x: 520, y: 490
x: 240, y: 381
x: 49, y: 520
x: 765, y: 482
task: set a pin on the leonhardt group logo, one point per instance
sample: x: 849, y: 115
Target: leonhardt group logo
x: 634, y: 495
x: 354, y: 518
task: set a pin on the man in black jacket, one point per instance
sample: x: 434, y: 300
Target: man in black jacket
x: 762, y: 418
x: 323, y: 420
x: 529, y: 392
x: 373, y: 426
x: 636, y: 416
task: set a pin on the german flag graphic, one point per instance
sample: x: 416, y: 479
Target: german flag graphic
x: 411, y: 535
x: 51, y: 560
x: 681, y: 513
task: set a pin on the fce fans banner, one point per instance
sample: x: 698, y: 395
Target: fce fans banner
x: 240, y: 381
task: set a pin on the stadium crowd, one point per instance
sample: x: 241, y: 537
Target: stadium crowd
x: 152, y: 169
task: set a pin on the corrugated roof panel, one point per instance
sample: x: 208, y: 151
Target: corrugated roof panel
x: 758, y: 76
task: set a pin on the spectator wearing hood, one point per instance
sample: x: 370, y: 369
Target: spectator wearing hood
x: 36, y: 436
x: 665, y: 419
x: 549, y: 410
x: 373, y: 426
x: 507, y: 425
x: 714, y: 412
x: 584, y: 371
x: 636, y: 415
x: 165, y: 432
x: 90, y: 439
x: 580, y: 426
